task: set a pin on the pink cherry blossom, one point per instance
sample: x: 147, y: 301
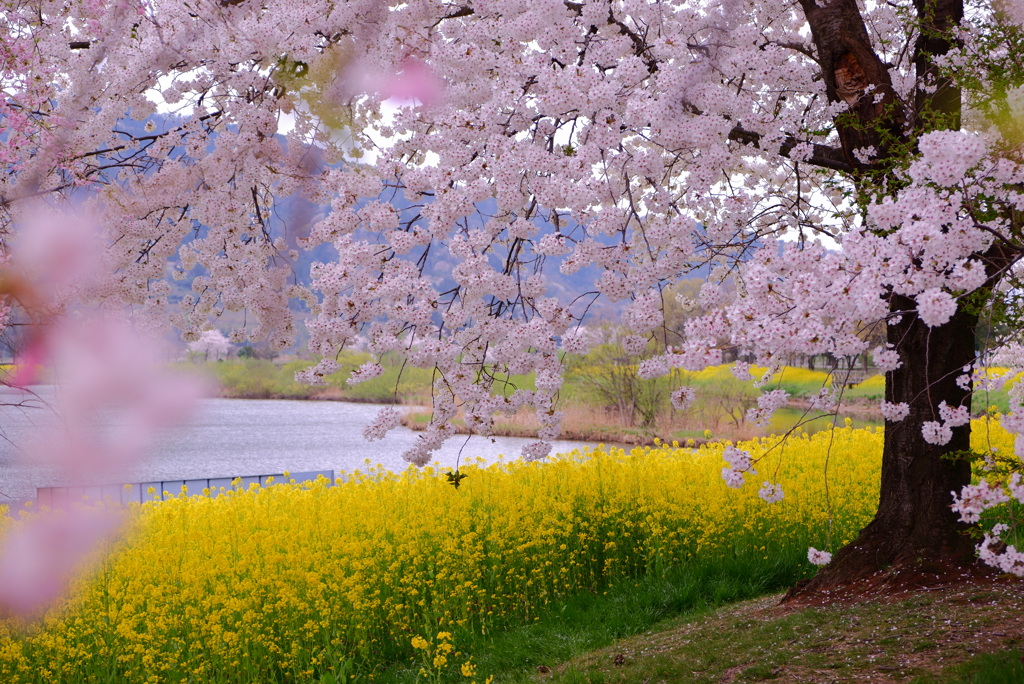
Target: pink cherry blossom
x: 936, y: 433
x: 39, y: 556
x: 683, y: 397
x: 975, y: 499
x: 367, y: 371
x: 935, y: 307
x: 415, y: 82
x: 954, y: 417
x: 772, y: 493
x: 886, y: 358
x: 894, y: 413
x: 817, y: 557
x: 387, y: 419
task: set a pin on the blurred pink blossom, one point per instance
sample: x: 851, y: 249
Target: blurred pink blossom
x: 40, y: 554
x: 102, y: 365
x: 28, y: 363
x: 57, y: 253
x: 113, y: 399
x: 415, y: 82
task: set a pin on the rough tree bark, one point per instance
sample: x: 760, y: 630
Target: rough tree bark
x: 915, y: 536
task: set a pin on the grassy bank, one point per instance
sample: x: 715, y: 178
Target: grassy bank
x: 597, y: 426
x: 959, y: 634
x: 580, y: 423
x: 718, y: 412
x: 261, y: 379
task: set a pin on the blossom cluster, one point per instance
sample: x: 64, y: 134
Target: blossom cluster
x: 740, y: 462
x: 683, y: 397
x: 974, y: 500
x: 817, y: 557
x: 767, y: 404
x: 445, y: 164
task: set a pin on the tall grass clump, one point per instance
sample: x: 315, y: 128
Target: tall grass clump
x: 308, y: 583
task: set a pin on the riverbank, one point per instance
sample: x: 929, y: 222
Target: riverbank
x: 587, y: 424
x: 598, y: 404
x: 312, y: 394
x: 580, y: 424
x: 262, y: 379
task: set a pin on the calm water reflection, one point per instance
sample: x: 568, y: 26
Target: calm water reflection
x: 231, y: 437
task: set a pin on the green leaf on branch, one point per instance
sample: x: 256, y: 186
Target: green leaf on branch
x: 455, y: 478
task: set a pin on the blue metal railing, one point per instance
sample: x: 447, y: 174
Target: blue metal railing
x: 141, y: 492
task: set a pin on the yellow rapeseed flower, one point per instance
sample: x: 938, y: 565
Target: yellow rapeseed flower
x: 288, y: 578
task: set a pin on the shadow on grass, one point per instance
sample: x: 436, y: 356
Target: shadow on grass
x: 595, y: 619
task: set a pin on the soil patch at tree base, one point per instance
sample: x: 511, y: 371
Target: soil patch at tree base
x: 896, y: 636
x: 897, y: 582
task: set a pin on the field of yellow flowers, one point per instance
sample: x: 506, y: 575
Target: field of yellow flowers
x: 308, y: 583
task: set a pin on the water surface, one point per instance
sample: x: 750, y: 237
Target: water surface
x: 240, y: 437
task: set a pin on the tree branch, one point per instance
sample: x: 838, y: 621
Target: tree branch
x: 821, y: 155
x: 854, y: 74
x: 143, y: 138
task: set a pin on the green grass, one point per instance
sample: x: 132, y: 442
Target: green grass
x: 962, y: 634
x: 401, y: 383
x: 811, y: 422
x: 873, y: 389
x: 595, y: 619
x: 1002, y: 667
x: 701, y: 626
x: 261, y: 379
x: 800, y: 382
x: 254, y: 379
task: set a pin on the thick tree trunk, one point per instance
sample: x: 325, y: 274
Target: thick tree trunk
x: 915, y: 536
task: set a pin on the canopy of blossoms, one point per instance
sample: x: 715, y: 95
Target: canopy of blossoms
x: 503, y: 143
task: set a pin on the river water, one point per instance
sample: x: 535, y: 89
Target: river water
x: 241, y: 437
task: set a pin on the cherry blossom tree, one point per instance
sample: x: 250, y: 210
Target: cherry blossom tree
x: 211, y: 343
x: 835, y: 167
